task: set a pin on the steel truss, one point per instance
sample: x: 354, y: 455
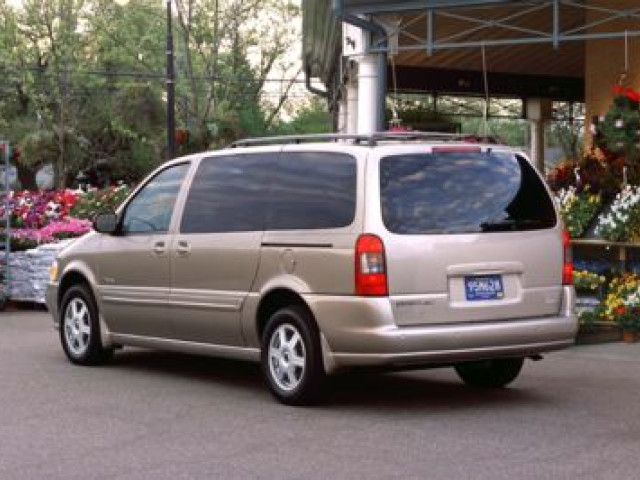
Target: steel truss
x: 494, y: 23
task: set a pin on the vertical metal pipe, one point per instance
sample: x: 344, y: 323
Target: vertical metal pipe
x: 171, y: 100
x: 7, y: 218
x: 430, y: 32
x: 380, y: 69
x: 381, y: 124
x: 556, y: 23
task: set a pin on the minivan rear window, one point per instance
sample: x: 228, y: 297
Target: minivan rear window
x: 462, y: 192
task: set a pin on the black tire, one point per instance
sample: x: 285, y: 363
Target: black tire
x: 495, y: 373
x: 80, y: 328
x: 293, y: 369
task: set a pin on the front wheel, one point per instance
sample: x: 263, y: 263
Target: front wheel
x: 80, y: 328
x: 291, y: 357
x: 495, y: 373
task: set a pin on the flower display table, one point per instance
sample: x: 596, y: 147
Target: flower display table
x: 610, y: 309
x: 30, y: 272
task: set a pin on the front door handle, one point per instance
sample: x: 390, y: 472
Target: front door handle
x: 160, y: 249
x: 183, y: 249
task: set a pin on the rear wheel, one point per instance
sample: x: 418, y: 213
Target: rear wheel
x: 291, y: 357
x: 80, y: 329
x: 495, y: 373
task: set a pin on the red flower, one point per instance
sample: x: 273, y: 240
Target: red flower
x: 621, y: 310
x: 632, y: 95
x: 618, y: 90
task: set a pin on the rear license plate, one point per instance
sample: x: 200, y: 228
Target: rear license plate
x: 483, y: 287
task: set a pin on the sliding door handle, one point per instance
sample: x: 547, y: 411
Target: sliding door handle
x: 160, y: 249
x: 183, y: 249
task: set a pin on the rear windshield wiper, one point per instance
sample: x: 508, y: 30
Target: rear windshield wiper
x: 509, y: 225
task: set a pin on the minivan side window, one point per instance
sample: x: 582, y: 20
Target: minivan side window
x: 312, y: 190
x: 150, y: 210
x: 440, y: 193
x: 228, y: 194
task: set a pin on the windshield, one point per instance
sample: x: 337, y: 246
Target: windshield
x: 462, y: 192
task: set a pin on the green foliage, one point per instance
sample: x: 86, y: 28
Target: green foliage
x: 586, y: 281
x: 621, y: 223
x: 84, y: 79
x: 578, y: 209
x: 312, y: 118
x: 99, y: 201
x: 617, y: 132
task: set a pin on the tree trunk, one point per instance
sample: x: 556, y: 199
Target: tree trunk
x: 27, y: 177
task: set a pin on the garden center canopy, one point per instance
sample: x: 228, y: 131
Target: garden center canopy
x: 536, y: 48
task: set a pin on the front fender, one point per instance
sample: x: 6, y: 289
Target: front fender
x: 77, y: 268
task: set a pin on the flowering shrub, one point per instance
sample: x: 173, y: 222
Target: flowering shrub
x: 577, y: 209
x: 36, y: 209
x: 586, y: 281
x: 24, y: 239
x: 68, y: 228
x: 48, y: 216
x: 95, y: 202
x: 617, y: 131
x: 563, y: 175
x: 622, y: 222
x: 622, y: 303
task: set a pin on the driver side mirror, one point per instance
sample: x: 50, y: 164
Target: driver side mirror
x: 106, y: 223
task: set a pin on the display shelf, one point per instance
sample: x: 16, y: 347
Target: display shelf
x: 622, y: 256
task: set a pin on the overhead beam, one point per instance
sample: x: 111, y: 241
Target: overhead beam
x: 467, y: 82
x: 435, y: 46
x: 363, y: 8
x: 473, y: 36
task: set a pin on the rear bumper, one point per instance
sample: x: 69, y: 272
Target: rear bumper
x: 360, y: 331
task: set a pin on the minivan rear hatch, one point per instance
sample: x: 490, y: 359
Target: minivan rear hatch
x: 473, y: 236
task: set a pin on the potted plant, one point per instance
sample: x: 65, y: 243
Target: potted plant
x: 629, y: 322
x: 577, y: 208
x: 622, y: 222
x: 587, y: 282
x: 622, y: 305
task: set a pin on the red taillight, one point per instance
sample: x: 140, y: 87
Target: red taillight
x: 567, y: 269
x: 371, y: 269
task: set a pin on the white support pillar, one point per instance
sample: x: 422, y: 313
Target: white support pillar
x: 352, y: 107
x: 367, y: 94
x: 538, y: 110
x: 342, y: 115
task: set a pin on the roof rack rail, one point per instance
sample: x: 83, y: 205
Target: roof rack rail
x: 315, y: 137
x: 369, y: 140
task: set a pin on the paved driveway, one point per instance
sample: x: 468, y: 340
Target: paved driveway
x: 158, y: 415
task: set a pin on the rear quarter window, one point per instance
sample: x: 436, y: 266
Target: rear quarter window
x: 462, y: 192
x: 312, y: 190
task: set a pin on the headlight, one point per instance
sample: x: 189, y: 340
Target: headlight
x: 53, y: 271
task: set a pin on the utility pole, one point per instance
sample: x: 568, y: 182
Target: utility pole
x: 171, y: 85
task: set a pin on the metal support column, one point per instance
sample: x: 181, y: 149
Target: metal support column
x: 6, y: 273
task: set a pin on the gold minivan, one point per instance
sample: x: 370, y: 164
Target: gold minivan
x: 319, y: 253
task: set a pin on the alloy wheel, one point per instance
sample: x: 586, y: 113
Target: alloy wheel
x: 287, y: 357
x: 77, y: 326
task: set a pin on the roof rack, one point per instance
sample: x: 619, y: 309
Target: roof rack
x: 368, y: 140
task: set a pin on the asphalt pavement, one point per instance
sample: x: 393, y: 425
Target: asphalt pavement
x: 154, y: 415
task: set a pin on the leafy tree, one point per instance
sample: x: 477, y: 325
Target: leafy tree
x: 84, y: 79
x: 227, y: 50
x: 314, y: 117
